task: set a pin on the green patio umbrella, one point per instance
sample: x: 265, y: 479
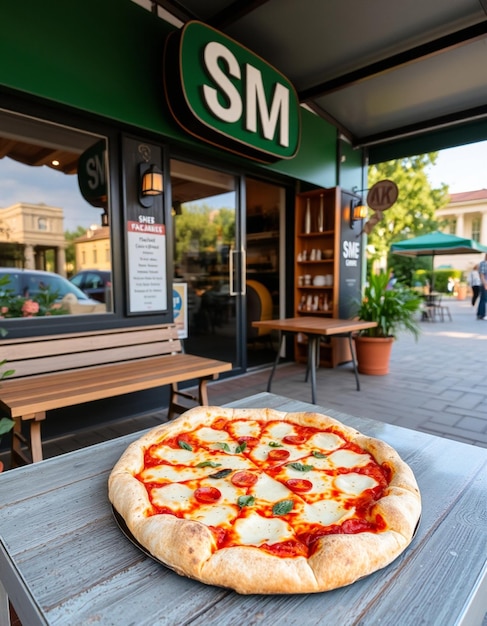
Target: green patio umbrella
x: 436, y: 243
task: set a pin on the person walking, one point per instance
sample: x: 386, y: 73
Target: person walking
x: 483, y: 289
x: 474, y: 282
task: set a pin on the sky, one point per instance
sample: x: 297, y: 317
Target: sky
x: 462, y: 169
x: 36, y: 185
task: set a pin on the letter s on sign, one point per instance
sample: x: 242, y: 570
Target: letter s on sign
x: 95, y: 172
x: 213, y: 52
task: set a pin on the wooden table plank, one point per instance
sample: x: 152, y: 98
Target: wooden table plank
x: 315, y: 325
x: 58, y: 533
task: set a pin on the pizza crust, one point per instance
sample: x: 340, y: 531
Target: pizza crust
x: 189, y: 547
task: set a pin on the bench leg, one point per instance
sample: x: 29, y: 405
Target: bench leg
x: 34, y: 443
x: 175, y: 408
x: 203, y: 392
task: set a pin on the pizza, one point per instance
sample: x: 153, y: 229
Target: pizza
x: 264, y: 501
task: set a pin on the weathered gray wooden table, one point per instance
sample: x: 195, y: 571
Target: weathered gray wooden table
x: 64, y: 560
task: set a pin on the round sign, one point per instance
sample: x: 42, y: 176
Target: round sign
x: 382, y: 195
x: 177, y: 303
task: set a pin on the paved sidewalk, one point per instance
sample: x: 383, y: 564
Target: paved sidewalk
x: 437, y: 385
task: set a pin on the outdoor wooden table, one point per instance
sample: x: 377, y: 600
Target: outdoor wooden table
x: 314, y: 328
x: 65, y: 561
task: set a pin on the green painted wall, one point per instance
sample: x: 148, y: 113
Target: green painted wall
x: 351, y: 174
x: 105, y: 57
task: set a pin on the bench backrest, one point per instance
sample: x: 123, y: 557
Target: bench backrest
x: 54, y: 353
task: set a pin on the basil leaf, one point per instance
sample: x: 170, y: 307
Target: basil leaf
x: 208, y: 464
x: 283, y: 507
x: 245, y: 501
x: 275, y: 444
x: 318, y: 455
x: 221, y: 474
x: 300, y: 467
x: 241, y: 447
x: 184, y: 445
x: 223, y: 446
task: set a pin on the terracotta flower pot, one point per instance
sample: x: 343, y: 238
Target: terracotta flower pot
x: 373, y: 354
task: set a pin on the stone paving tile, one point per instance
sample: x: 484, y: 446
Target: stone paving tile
x: 460, y: 411
x: 473, y: 424
x: 451, y: 395
x: 446, y: 419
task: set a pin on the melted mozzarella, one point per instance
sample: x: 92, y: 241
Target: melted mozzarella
x: 347, y: 458
x: 322, y: 484
x: 224, y: 460
x: 255, y: 530
x: 172, y: 473
x: 354, y: 484
x: 175, y: 456
x: 319, y: 464
x: 261, y: 451
x: 268, y: 489
x: 176, y: 496
x: 324, y: 512
x: 278, y: 430
x: 214, y: 515
x: 325, y: 441
x: 244, y: 428
x: 210, y: 435
x: 229, y: 492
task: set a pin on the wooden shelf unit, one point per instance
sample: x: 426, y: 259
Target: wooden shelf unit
x: 316, y: 268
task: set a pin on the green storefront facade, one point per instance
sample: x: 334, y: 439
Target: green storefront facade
x: 92, y: 74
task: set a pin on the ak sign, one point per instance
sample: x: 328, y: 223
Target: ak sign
x: 224, y: 94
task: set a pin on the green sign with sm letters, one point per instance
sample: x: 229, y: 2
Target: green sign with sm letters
x: 224, y: 94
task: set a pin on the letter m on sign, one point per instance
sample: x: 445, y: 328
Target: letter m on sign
x: 257, y: 107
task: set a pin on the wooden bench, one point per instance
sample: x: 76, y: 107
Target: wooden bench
x: 58, y: 371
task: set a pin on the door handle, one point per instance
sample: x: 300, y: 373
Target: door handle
x: 242, y: 289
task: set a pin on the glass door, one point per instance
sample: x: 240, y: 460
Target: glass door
x: 208, y: 259
x: 265, y: 268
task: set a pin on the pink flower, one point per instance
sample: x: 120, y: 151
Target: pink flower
x: 30, y: 308
x: 4, y: 310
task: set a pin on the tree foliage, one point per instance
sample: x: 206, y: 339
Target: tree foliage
x: 70, y: 236
x: 203, y: 232
x: 414, y: 212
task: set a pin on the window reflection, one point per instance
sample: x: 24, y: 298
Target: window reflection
x: 46, y: 225
x: 204, y: 210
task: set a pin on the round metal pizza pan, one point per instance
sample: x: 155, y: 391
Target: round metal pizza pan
x: 125, y: 530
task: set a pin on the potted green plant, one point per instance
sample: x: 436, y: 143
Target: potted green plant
x: 394, y: 309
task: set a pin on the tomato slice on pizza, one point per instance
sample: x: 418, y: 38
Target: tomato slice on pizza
x: 264, y: 501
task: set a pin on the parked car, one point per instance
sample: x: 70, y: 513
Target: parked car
x: 32, y: 283
x: 94, y: 283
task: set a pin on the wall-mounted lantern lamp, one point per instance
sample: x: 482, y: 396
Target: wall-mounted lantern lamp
x: 104, y: 218
x: 151, y: 184
x: 358, y: 211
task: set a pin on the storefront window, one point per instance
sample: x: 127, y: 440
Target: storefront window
x: 50, y: 231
